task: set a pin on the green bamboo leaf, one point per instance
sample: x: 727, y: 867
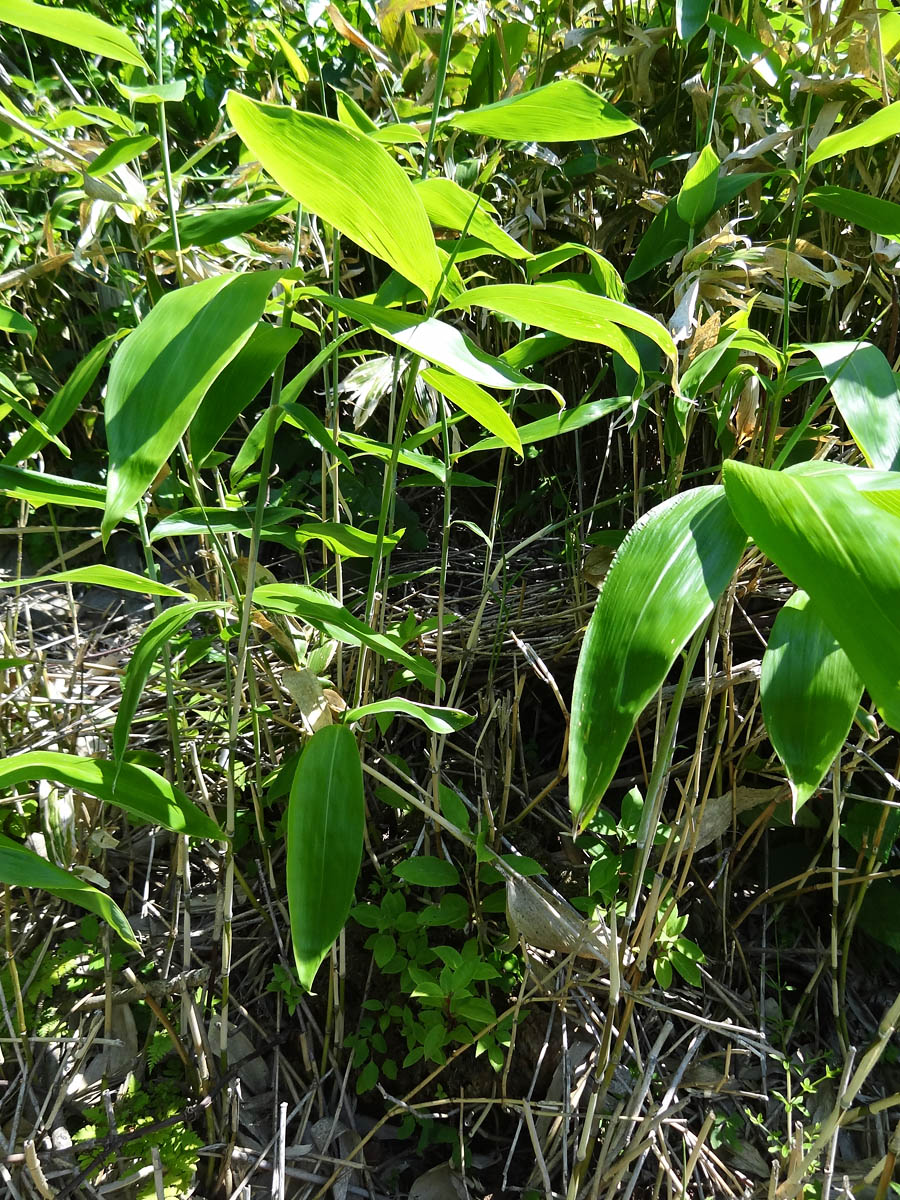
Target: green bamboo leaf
x: 38, y: 488
x: 604, y: 273
x: 347, y: 179
x: 136, y: 790
x: 875, y: 129
x: 432, y: 716
x: 239, y: 384
x: 13, y: 322
x: 345, y: 539
x: 12, y: 401
x: 162, y: 372
x: 74, y: 27
x: 565, y: 421
x: 573, y: 313
x: 440, y: 343
x: 450, y: 206
x: 869, y: 212
x: 690, y: 17
x: 101, y: 576
x: 763, y: 59
x: 328, y: 615
x: 154, y: 93
x: 809, y: 694
x: 842, y: 550
x: 21, y: 867
x: 158, y: 633
x: 477, y: 403
x: 562, y: 111
x: 217, y: 225
x: 324, y: 837
x: 865, y: 390
x: 64, y: 403
x: 427, y: 871
x: 119, y: 152
x: 300, y: 416
x: 696, y: 202
x: 663, y: 583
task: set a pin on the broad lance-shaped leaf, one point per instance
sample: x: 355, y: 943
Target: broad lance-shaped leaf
x: 157, y: 634
x: 869, y: 212
x: 563, y: 111
x: 875, y: 129
x: 347, y: 179
x: 439, y: 342
x: 809, y: 693
x: 73, y: 27
x: 38, y: 488
x: 65, y: 402
x: 325, y: 613
x: 690, y: 17
x: 567, y: 420
x: 865, y: 390
x: 433, y: 716
x: 477, y: 403
x: 162, y: 372
x: 841, y: 548
x: 101, y: 576
x: 136, y: 790
x: 573, y: 314
x: 696, y: 201
x: 218, y: 224
x: 450, y: 206
x: 664, y: 581
x: 324, y: 837
x: 239, y: 383
x: 21, y: 867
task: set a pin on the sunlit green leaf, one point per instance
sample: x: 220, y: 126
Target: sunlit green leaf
x: 323, y: 844
x: 436, y: 340
x: 158, y: 633
x: 100, y: 576
x: 218, y: 224
x: 574, y: 314
x: 865, y: 390
x: 21, y: 867
x: 73, y: 27
x: 136, y: 790
x: 840, y: 549
x: 39, y: 488
x: 664, y: 581
x: 450, y: 206
x: 567, y: 420
x: 13, y: 322
x: 809, y: 693
x: 878, y: 128
x: 869, y: 212
x: 347, y: 179
x: 477, y: 403
x: 154, y: 93
x: 162, y: 372
x: 119, y: 152
x: 64, y: 403
x: 432, y: 716
x: 324, y: 612
x: 562, y: 111
x: 696, y: 201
